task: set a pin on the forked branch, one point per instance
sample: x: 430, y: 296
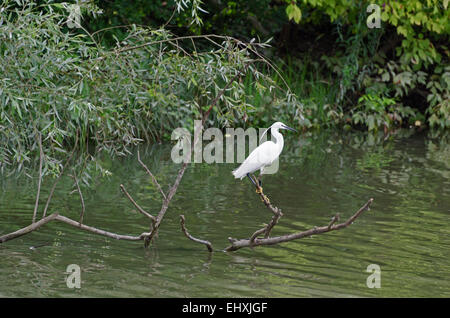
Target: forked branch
x: 237, y: 244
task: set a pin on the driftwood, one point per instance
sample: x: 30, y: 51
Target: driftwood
x: 55, y: 216
x: 146, y: 236
x: 254, y: 240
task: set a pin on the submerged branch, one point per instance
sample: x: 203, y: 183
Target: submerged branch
x: 30, y: 228
x: 55, y: 216
x: 237, y: 244
x: 99, y: 231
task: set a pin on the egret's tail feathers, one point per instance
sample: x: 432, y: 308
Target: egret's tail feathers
x: 238, y: 173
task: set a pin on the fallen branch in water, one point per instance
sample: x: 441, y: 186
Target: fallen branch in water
x: 255, y: 241
x: 30, y: 228
x: 55, y: 216
x: 78, y: 224
x: 189, y: 236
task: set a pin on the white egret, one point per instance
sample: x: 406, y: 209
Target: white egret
x: 263, y: 155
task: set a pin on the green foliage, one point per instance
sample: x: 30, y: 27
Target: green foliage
x: 376, y: 112
x: 115, y: 82
x: 402, y: 60
x: 61, y: 83
x: 410, y: 56
x: 293, y: 12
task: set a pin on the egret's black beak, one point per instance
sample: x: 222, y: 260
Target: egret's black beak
x: 289, y: 128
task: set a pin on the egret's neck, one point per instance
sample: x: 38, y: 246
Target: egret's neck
x: 279, y: 141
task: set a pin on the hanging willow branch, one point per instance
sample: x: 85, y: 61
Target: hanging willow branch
x: 41, y: 158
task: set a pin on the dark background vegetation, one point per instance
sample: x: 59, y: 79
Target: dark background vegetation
x: 395, y: 75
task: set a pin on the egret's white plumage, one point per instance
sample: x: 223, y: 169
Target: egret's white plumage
x: 263, y: 155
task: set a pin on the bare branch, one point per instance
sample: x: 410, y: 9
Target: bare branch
x: 237, y: 244
x: 264, y: 198
x: 155, y: 182
x: 137, y: 205
x: 165, y: 204
x: 189, y: 236
x: 55, y: 216
x: 99, y: 231
x: 41, y: 158
x: 81, y: 199
x: 275, y: 218
x: 273, y: 222
x: 334, y: 219
x: 30, y: 228
x: 256, y: 234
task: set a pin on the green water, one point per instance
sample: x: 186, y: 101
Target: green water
x: 406, y: 232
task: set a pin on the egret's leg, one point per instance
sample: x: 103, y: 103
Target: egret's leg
x: 251, y: 179
x: 260, y: 180
x: 261, y: 172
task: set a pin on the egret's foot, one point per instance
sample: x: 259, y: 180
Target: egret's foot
x: 259, y: 190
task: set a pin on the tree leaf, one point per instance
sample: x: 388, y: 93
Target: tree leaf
x: 294, y: 13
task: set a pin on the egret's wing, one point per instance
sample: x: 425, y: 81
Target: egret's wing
x: 261, y: 156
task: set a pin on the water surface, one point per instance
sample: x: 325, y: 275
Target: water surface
x: 406, y: 232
